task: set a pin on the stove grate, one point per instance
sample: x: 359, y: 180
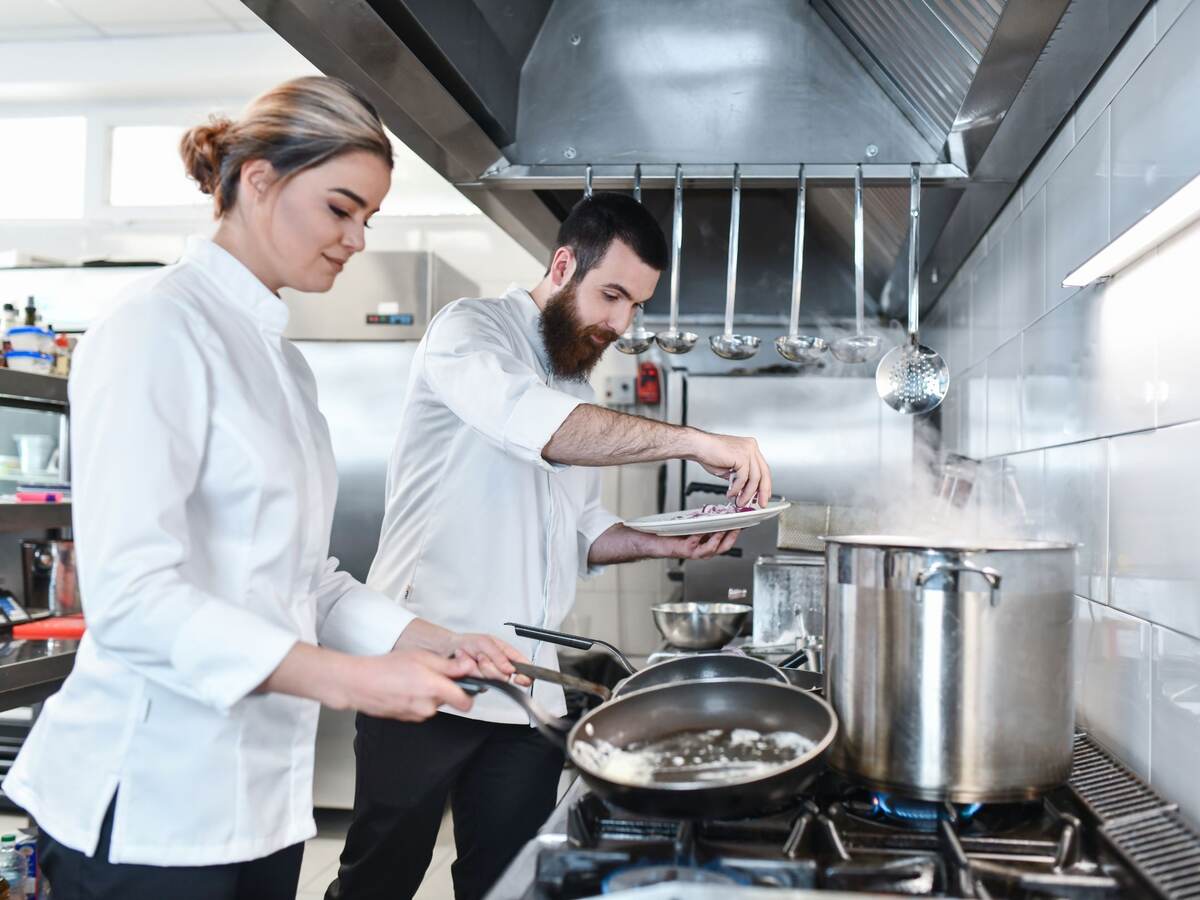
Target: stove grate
x: 1107, y: 788
x: 1163, y: 849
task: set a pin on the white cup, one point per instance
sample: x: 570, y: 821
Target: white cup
x: 33, y: 451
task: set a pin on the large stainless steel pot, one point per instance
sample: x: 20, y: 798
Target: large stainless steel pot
x: 949, y: 666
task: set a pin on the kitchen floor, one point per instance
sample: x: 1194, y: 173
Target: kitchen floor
x: 321, y: 859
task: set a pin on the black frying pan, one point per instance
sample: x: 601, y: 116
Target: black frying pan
x: 658, y: 712
x: 693, y: 667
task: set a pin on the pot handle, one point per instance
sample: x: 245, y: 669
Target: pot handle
x: 941, y: 568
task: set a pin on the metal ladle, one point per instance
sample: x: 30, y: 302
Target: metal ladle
x: 912, y: 378
x: 729, y: 345
x: 859, y: 347
x: 636, y: 338
x: 673, y: 340
x: 794, y: 346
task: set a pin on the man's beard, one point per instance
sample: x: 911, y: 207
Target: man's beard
x: 573, y: 354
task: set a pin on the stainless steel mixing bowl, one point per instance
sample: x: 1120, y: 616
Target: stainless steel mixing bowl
x: 700, y: 626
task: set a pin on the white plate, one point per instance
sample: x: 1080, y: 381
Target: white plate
x: 674, y: 524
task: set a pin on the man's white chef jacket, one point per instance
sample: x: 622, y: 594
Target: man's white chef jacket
x: 204, y: 486
x: 480, y: 529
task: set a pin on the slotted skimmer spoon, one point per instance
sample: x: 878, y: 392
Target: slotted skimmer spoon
x: 912, y: 378
x: 793, y: 345
x: 673, y: 340
x: 729, y: 345
x: 858, y: 347
x: 636, y: 338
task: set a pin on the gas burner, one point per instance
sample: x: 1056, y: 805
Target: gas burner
x: 640, y: 876
x: 921, y: 813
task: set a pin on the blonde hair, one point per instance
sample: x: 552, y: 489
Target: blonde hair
x: 295, y: 126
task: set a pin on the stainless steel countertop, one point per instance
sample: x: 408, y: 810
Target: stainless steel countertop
x: 30, y: 671
x: 517, y: 881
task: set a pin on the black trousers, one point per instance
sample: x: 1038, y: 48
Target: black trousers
x: 76, y: 876
x: 501, y: 781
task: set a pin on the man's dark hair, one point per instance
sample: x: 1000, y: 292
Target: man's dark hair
x: 598, y: 220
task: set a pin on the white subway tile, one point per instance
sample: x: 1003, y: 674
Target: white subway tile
x: 1024, y: 269
x: 1154, y: 567
x: 985, y: 306
x: 1076, y: 510
x: 1174, y: 307
x: 1165, y: 14
x: 1155, y: 129
x: 1004, y: 399
x: 1115, y: 699
x: 1077, y: 209
x: 1052, y: 156
x: 1175, y: 720
x: 1120, y: 66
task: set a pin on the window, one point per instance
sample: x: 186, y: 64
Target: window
x: 42, y: 165
x: 147, y: 169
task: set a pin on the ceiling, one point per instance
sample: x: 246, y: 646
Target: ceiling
x: 57, y: 20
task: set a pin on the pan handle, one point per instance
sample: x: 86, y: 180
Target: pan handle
x: 795, y: 661
x: 989, y: 574
x: 571, y: 640
x: 554, y: 730
x: 568, y: 681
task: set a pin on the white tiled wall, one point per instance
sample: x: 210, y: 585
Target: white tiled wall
x: 1091, y: 398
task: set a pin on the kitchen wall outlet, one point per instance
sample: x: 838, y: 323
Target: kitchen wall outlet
x: 618, y: 390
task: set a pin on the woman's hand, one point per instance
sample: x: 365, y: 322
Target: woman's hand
x: 404, y: 684
x: 407, y: 685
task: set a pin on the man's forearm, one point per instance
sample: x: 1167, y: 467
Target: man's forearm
x: 595, y: 436
x: 622, y: 544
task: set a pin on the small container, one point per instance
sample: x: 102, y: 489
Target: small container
x: 30, y: 361
x: 31, y: 339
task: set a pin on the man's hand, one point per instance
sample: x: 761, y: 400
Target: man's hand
x: 493, y: 657
x: 737, y: 459
x: 697, y: 546
x: 622, y: 544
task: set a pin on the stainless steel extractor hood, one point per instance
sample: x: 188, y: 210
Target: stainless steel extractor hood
x: 511, y: 101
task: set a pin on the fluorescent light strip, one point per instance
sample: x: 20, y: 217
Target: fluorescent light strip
x: 1172, y: 215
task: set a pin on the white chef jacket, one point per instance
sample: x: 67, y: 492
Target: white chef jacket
x: 204, y: 487
x: 480, y: 529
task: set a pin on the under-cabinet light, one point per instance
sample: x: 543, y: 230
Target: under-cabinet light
x: 1173, y: 214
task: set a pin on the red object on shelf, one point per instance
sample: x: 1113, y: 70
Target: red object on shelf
x: 649, y: 391
x: 57, y: 627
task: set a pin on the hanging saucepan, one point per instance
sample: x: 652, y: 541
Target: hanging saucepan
x: 712, y: 721
x: 693, y: 667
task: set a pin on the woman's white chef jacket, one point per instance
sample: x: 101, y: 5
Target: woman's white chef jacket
x: 204, y: 487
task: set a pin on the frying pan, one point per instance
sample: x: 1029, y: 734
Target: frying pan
x: 694, y: 667
x: 658, y: 712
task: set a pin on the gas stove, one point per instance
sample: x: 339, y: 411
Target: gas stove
x: 1105, y: 834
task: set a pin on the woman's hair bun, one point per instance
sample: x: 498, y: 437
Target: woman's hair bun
x: 201, y: 149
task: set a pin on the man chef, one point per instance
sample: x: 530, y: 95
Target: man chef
x: 493, y: 513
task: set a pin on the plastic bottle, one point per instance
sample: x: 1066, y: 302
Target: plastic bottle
x: 62, y: 355
x: 31, y: 315
x: 12, y: 866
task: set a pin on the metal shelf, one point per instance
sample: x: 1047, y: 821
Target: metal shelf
x: 30, y: 671
x: 16, y: 517
x: 32, y: 391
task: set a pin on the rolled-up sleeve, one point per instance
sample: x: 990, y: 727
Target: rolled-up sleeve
x: 593, y: 522
x: 140, y: 401
x: 468, y: 367
x: 355, y: 619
